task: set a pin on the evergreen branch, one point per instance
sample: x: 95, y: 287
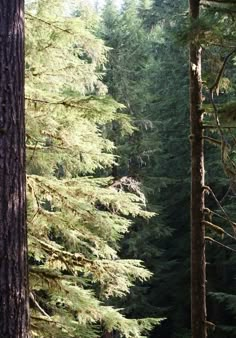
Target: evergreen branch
x: 56, y: 192
x: 48, y: 23
x: 41, y: 50
x: 44, y: 101
x: 55, y: 73
x: 63, y: 103
x: 47, y: 133
x: 44, y: 319
x: 51, y: 274
x: 77, y: 258
x: 38, y: 147
x: 82, y: 100
x: 50, y: 320
x: 210, y: 239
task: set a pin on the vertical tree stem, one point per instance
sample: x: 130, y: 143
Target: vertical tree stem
x: 13, y: 237
x: 198, y: 270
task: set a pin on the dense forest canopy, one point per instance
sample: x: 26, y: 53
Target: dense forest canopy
x: 116, y: 95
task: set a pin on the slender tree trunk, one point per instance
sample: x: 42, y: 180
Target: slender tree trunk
x: 198, y: 271
x: 13, y: 239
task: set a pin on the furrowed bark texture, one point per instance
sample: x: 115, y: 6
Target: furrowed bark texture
x: 198, y: 274
x: 13, y: 238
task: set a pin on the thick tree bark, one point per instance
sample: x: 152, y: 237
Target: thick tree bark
x: 13, y: 239
x: 198, y: 270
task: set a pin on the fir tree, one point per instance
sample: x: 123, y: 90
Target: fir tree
x: 75, y: 218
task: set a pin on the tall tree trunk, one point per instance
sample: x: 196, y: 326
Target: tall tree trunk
x: 198, y: 270
x: 13, y: 239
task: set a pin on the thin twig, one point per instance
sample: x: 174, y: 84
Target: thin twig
x: 230, y: 2
x: 211, y: 126
x: 220, y: 244
x: 218, y: 229
x: 36, y: 199
x: 218, y: 215
x: 34, y: 149
x: 48, y: 319
x: 221, y: 207
x: 216, y: 84
x: 212, y: 140
x: 213, y: 88
x: 31, y: 296
x: 225, y: 195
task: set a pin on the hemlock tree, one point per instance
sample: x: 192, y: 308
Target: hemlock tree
x: 210, y: 31
x: 77, y: 215
x: 218, y: 17
x: 13, y: 243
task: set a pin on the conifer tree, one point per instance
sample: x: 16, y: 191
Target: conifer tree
x: 13, y: 242
x: 220, y: 95
x: 198, y: 260
x: 77, y: 215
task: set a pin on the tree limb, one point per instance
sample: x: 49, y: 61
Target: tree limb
x: 48, y: 23
x: 220, y: 244
x: 221, y: 207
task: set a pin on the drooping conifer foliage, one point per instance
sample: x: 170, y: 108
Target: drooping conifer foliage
x: 76, y: 214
